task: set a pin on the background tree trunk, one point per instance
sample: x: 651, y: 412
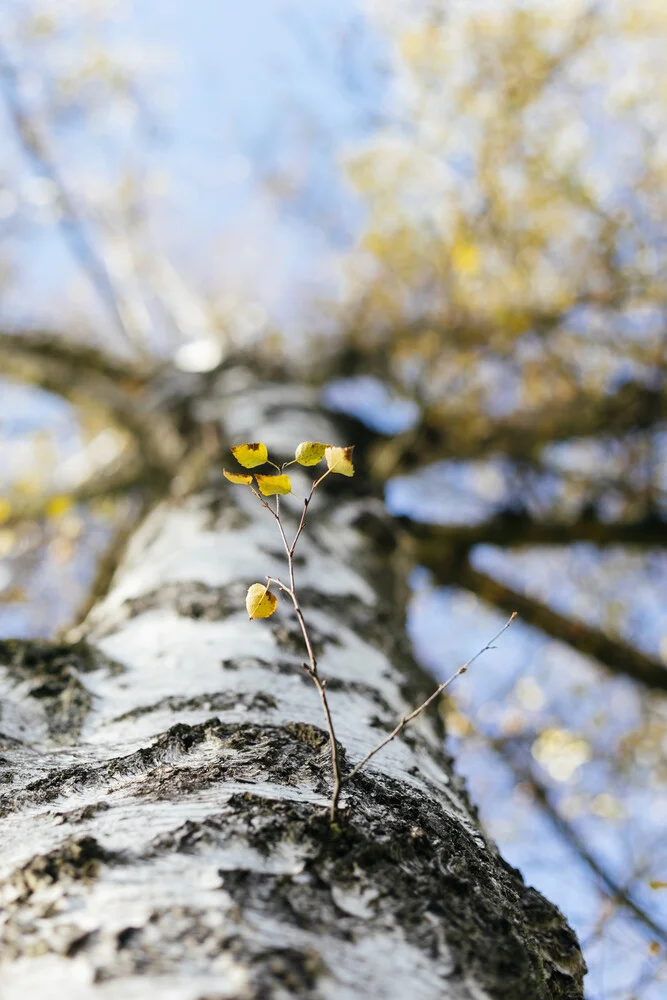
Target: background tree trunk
x: 165, y: 779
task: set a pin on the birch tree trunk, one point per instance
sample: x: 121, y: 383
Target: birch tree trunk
x: 165, y: 782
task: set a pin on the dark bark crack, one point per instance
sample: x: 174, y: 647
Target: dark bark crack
x: 216, y: 701
x: 52, y: 671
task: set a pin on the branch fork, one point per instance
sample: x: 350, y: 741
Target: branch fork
x: 261, y: 603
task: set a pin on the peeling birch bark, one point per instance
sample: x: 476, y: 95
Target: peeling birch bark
x: 164, y: 782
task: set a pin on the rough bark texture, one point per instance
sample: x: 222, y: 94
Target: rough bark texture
x: 164, y: 782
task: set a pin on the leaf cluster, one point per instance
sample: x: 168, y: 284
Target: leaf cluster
x: 308, y: 453
x: 260, y: 601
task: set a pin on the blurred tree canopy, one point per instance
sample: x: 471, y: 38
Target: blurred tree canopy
x: 513, y: 254
x: 509, y: 283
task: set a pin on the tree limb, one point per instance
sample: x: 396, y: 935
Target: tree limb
x: 116, y: 481
x: 618, y: 656
x: 442, y: 434
x: 90, y: 378
x: 515, y: 530
x: 49, y: 345
x: 71, y: 220
x: 613, y: 889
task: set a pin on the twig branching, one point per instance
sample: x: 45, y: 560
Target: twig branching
x: 311, y: 666
x: 261, y: 603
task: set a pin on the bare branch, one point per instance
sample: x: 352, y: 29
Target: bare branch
x: 51, y: 346
x: 71, y: 221
x: 424, y: 705
x: 611, y: 887
x: 516, y: 530
x: 89, y: 378
x: 441, y: 434
x: 110, y: 483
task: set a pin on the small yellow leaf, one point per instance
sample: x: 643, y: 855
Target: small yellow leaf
x: 466, y: 258
x: 310, y: 452
x: 340, y: 460
x: 260, y: 602
x: 250, y: 455
x: 58, y: 506
x: 5, y: 509
x: 270, y: 485
x: 239, y: 478
x: 658, y: 883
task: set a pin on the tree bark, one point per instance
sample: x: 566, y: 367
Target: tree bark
x: 165, y: 779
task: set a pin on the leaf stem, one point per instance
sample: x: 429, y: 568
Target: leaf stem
x: 311, y: 666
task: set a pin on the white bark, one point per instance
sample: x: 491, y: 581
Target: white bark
x: 165, y: 832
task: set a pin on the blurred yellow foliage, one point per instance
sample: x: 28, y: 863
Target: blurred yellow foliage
x: 58, y: 506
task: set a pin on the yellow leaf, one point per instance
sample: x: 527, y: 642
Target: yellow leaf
x: 310, y: 452
x: 466, y: 258
x: 58, y: 506
x: 5, y: 509
x: 260, y: 602
x: 270, y: 485
x: 340, y: 460
x: 658, y: 883
x: 239, y: 478
x: 250, y: 455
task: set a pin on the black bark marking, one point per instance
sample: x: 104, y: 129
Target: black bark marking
x: 190, y: 599
x: 83, y: 813
x: 51, y: 670
x: 271, y: 666
x: 447, y: 891
x: 291, y: 971
x: 74, y: 860
x: 247, y: 753
x: 169, y: 768
x: 289, y: 638
x: 220, y: 507
x: 217, y: 701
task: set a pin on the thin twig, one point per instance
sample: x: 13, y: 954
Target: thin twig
x: 305, y: 509
x: 424, y: 705
x: 311, y: 666
x: 303, y: 519
x: 335, y: 763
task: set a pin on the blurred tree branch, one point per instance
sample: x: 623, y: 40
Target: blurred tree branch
x: 611, y: 887
x: 49, y: 346
x: 72, y: 222
x: 92, y: 380
x: 441, y: 434
x: 115, y: 482
x: 510, y: 530
x: 615, y: 654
